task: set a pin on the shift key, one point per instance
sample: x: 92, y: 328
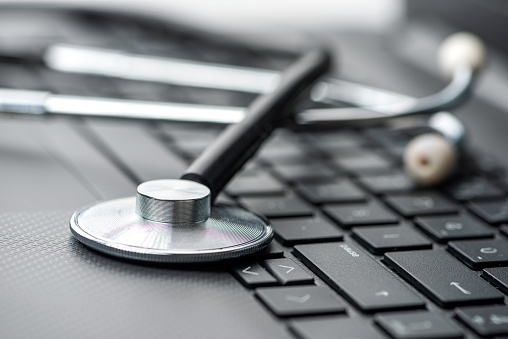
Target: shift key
x: 358, y: 277
x: 443, y: 278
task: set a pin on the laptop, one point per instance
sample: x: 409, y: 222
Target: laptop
x: 359, y: 252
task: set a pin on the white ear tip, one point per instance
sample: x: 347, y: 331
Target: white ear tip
x: 430, y: 158
x: 459, y: 49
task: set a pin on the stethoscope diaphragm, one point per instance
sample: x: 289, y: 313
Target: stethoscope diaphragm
x: 113, y: 227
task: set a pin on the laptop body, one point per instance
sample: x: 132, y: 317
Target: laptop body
x: 53, y: 286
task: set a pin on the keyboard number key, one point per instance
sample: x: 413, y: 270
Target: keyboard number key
x: 478, y: 254
x: 370, y: 213
x: 421, y: 203
x: 493, y: 212
x: 455, y: 227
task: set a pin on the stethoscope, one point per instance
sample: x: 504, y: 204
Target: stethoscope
x: 173, y: 220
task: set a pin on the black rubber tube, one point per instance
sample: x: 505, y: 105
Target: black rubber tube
x: 220, y: 161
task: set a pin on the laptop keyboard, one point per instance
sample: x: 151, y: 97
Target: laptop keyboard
x: 360, y: 250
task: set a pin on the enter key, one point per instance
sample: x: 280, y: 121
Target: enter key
x: 358, y: 277
x: 442, y: 278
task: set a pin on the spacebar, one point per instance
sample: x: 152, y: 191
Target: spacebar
x: 358, y: 277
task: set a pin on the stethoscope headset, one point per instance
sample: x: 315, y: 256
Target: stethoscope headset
x: 176, y: 220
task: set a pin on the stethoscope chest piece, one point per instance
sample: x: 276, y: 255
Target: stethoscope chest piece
x: 173, y: 221
x: 170, y: 221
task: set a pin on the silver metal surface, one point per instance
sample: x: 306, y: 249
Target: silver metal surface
x: 385, y: 104
x: 114, y: 228
x: 21, y: 101
x: 449, y: 126
x: 114, y: 63
x: 133, y: 109
x: 371, y: 104
x: 174, y: 201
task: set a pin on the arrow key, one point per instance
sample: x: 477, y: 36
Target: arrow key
x: 300, y: 300
x: 287, y: 272
x: 253, y: 275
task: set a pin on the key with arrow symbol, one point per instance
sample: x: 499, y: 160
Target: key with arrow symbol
x: 288, y: 272
x: 300, y: 300
x: 460, y: 288
x: 253, y: 275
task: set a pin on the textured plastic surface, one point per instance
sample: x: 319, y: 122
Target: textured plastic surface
x: 54, y: 287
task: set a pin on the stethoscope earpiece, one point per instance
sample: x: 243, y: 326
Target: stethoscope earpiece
x: 461, y: 49
x: 430, y: 158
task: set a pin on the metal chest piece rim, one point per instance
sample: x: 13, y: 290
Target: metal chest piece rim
x: 170, y: 221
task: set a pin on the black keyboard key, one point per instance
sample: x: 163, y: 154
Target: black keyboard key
x: 485, y: 320
x: 367, y: 163
x: 259, y: 184
x: 334, y: 152
x: 337, y: 139
x: 381, y: 239
x: 334, y: 328
x: 292, y: 231
x: 250, y: 169
x: 421, y: 203
x: 278, y: 207
x: 190, y: 134
x: 370, y: 213
x: 339, y: 190
x: 498, y: 277
x: 303, y: 172
x: 417, y: 325
x: 300, y: 300
x: 353, y: 273
x: 493, y: 212
x: 455, y: 227
x: 473, y: 188
x: 271, y: 251
x: 442, y: 278
x: 254, y: 275
x: 504, y: 230
x: 487, y: 164
x: 388, y: 137
x: 287, y: 272
x: 478, y: 254
x: 387, y: 183
x: 282, y: 154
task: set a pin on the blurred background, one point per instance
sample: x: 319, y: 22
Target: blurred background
x: 258, y: 16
